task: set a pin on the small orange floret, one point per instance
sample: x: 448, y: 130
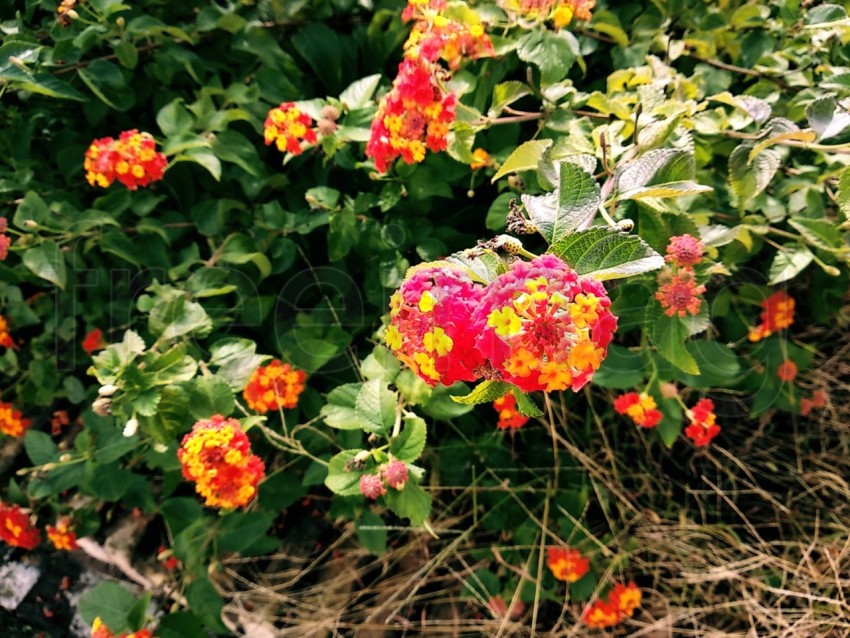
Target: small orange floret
x: 567, y: 564
x: 641, y: 408
x: 62, y: 536
x: 94, y: 341
x: 787, y: 371
x: 12, y: 422
x: 277, y: 385
x: 777, y: 314
x: 509, y: 417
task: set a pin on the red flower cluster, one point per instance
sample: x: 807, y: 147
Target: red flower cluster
x: 703, y: 427
x: 5, y: 240
x: 566, y: 564
x: 451, y: 40
x: 277, y: 385
x: 678, y: 292
x: 777, y: 314
x: 818, y: 400
x: 94, y: 341
x: 132, y: 159
x: 621, y: 602
x: 509, y: 417
x: 786, y: 371
x: 288, y: 127
x: 641, y: 408
x: 99, y: 630
x: 423, y: 7
x: 430, y: 327
x: 12, y: 422
x: 538, y: 325
x: 62, y: 536
x: 6, y: 340
x: 542, y: 327
x: 216, y: 454
x: 412, y: 118
x: 16, y: 529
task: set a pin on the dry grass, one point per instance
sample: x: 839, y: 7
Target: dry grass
x: 750, y: 539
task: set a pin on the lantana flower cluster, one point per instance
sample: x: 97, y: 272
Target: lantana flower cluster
x: 509, y: 417
x: 217, y: 456
x: 566, y: 564
x: 62, y: 536
x: 560, y: 12
x: 94, y: 341
x: 642, y: 409
x: 288, y: 127
x: 703, y: 423
x: 415, y: 116
x: 678, y: 292
x: 6, y: 340
x: 538, y: 326
x: 16, y: 528
x: 275, y: 386
x: 621, y: 602
x: 5, y: 240
x: 12, y: 421
x: 132, y: 159
x: 100, y: 630
x: 777, y: 314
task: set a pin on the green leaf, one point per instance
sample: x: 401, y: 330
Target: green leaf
x: 381, y: 364
x: 117, y: 243
x: 719, y: 366
x: 563, y: 211
x: 32, y: 208
x: 553, y: 52
x: 825, y: 118
x: 526, y: 405
x: 174, y: 316
x: 789, y: 263
x: 484, y: 392
x: 209, y: 396
x: 240, y: 530
x: 376, y: 407
x: 643, y: 170
x: 817, y: 232
x: 668, y: 335
x: 412, y: 503
x: 749, y: 178
x: 40, y: 447
x: 524, y: 158
x: 110, y: 602
x: 372, y: 532
x: 410, y: 443
x: 179, y: 513
x: 106, y: 81
x: 204, y: 157
x: 48, y: 262
x: 339, y: 411
x: 236, y: 360
x: 342, y: 478
x: 180, y: 625
x: 605, y: 253
x: 359, y: 93
x: 279, y: 491
x: 505, y: 94
x: 233, y: 147
x: 622, y: 369
x: 663, y: 191
x: 174, y: 119
x: 319, y: 45
x: 205, y: 601
x: 825, y: 13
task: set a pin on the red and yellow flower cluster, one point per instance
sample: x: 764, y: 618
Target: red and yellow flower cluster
x: 509, y: 417
x: 678, y: 292
x: 99, y: 630
x: 132, y: 159
x: 217, y: 456
x: 287, y: 126
x: 567, y: 564
x: 277, y: 385
x: 777, y: 314
x: 417, y: 113
x: 620, y: 603
x: 561, y: 12
x: 6, y: 340
x: 703, y: 423
x: 62, y: 536
x: 538, y: 326
x: 12, y: 422
x: 16, y: 529
x: 641, y: 408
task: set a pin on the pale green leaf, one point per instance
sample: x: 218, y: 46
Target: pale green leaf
x: 524, y: 158
x: 604, y: 253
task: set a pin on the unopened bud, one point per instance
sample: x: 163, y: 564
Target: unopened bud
x: 16, y: 61
x: 101, y: 407
x: 48, y: 466
x: 120, y: 22
x: 160, y: 448
x: 330, y: 112
x: 831, y: 270
x: 30, y: 223
x: 625, y: 225
x: 326, y: 127
x: 130, y: 427
x: 668, y: 390
x: 65, y: 458
x: 73, y: 15
x: 107, y: 390
x: 470, y: 193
